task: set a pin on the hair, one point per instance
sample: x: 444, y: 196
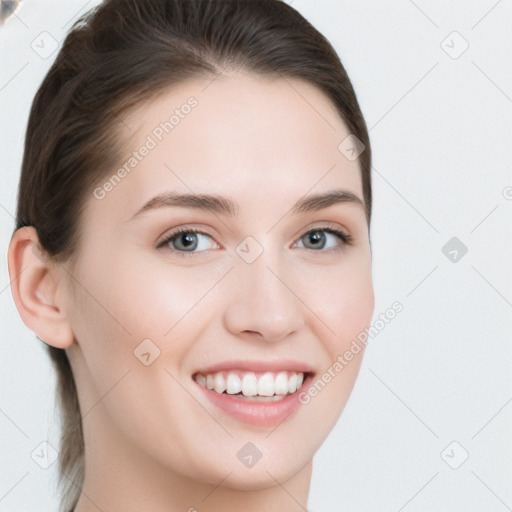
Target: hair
x: 122, y: 53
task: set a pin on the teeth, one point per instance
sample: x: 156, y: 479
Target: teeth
x: 266, y: 385
x: 247, y: 384
x: 292, y: 384
x: 281, y: 384
x: 219, y: 383
x: 234, y: 384
x: 250, y: 384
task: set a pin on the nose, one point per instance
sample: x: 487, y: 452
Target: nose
x: 265, y: 304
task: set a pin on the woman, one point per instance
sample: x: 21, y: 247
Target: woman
x: 192, y: 246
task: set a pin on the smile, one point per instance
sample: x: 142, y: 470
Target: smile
x: 260, y: 394
x: 252, y: 385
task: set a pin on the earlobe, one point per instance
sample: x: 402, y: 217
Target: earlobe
x: 35, y: 282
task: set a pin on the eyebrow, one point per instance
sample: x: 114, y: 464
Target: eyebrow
x: 226, y: 206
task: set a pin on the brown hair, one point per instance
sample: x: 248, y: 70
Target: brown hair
x: 117, y: 55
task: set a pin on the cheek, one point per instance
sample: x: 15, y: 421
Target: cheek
x: 343, y: 301
x: 147, y: 298
x: 343, y: 304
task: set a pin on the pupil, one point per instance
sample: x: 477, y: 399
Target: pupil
x: 189, y: 240
x: 316, y: 236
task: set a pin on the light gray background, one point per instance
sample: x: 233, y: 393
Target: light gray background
x: 441, y: 132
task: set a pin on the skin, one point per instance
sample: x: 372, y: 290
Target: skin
x: 153, y: 442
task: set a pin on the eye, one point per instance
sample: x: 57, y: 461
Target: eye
x: 324, y: 238
x: 188, y: 241
x: 185, y: 241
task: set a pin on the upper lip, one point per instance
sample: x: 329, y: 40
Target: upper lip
x: 257, y: 366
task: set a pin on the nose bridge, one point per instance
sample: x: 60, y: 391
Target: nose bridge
x: 264, y: 302
x: 265, y: 275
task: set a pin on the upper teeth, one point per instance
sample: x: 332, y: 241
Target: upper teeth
x: 267, y: 384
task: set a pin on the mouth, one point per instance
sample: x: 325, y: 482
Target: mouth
x: 254, y: 393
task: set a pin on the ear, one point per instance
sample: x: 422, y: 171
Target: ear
x: 37, y: 286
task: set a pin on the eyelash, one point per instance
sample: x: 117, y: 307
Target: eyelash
x: 345, y: 238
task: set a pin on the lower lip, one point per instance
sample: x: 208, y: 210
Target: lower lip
x: 262, y: 413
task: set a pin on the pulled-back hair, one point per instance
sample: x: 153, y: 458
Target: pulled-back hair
x: 124, y: 52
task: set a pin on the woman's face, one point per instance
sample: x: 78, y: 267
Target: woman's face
x: 253, y: 299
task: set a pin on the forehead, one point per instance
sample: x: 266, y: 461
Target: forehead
x: 239, y: 135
